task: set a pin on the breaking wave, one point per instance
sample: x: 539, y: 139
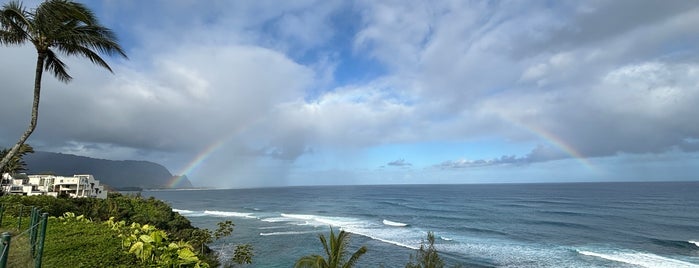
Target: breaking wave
x: 640, y: 259
x: 394, y: 224
x: 189, y: 213
x: 229, y: 214
x: 286, y: 233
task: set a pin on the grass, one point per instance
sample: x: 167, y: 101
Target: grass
x: 75, y: 244
x: 19, y: 254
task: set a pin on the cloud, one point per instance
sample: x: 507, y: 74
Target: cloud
x: 399, y: 163
x: 264, y: 81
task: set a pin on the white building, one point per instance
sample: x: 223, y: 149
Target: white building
x: 76, y: 186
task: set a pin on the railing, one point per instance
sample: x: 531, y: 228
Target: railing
x: 36, y: 233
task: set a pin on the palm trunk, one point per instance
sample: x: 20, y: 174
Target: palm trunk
x: 35, y: 110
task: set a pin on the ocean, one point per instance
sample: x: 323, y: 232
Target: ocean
x: 651, y: 224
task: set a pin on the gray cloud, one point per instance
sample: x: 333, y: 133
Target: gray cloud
x: 399, y: 163
x: 257, y: 79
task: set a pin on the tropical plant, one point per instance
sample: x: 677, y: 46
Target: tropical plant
x: 243, y: 253
x: 54, y: 26
x: 426, y: 256
x: 16, y: 163
x: 153, y: 247
x: 336, y: 250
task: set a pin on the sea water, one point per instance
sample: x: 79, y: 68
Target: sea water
x: 498, y: 225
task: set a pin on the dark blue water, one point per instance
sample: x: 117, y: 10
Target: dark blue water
x: 505, y: 225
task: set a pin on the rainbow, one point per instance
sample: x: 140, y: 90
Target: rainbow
x: 553, y: 140
x: 208, y: 150
x: 196, y: 161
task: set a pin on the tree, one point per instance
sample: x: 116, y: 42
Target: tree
x: 16, y: 163
x: 426, y: 257
x: 54, y: 26
x: 335, y: 250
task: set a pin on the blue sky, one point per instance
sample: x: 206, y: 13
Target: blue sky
x: 275, y: 93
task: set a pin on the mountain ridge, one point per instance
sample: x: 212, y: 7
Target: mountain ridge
x: 115, y: 173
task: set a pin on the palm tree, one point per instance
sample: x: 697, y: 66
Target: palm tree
x: 335, y: 251
x: 16, y: 163
x: 54, y: 26
x: 426, y: 256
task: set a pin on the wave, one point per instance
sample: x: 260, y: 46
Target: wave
x: 317, y: 220
x: 679, y: 244
x: 298, y: 216
x: 445, y: 238
x: 215, y: 213
x: 384, y: 240
x: 484, y: 231
x: 561, y: 224
x: 229, y: 214
x: 403, y: 237
x: 182, y: 211
x: 272, y: 227
x: 276, y: 219
x: 286, y: 233
x: 394, y: 224
x: 189, y: 213
x: 566, y: 213
x: 640, y: 259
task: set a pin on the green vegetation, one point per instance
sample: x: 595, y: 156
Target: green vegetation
x: 426, y: 256
x: 54, y: 26
x: 78, y: 242
x: 15, y: 164
x: 152, y: 246
x: 120, y: 231
x: 336, y: 250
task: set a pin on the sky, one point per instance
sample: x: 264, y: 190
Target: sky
x: 320, y: 92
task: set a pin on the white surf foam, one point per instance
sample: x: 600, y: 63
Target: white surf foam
x: 229, y: 214
x: 385, y: 240
x: 286, y: 233
x: 298, y: 216
x: 445, y: 238
x: 276, y: 219
x: 501, y: 252
x: 316, y: 220
x: 189, y: 213
x: 403, y: 237
x: 394, y: 224
x: 182, y: 211
x: 640, y: 259
x: 696, y: 243
x: 272, y: 227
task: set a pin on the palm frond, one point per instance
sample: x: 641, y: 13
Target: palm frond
x: 325, y: 244
x: 85, y: 52
x: 341, y: 242
x: 57, y: 67
x: 96, y: 38
x: 52, y: 11
x: 312, y: 261
x: 355, y: 257
x: 14, y: 24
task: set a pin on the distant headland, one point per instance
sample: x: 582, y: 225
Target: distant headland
x: 123, y: 174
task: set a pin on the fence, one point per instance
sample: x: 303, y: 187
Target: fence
x: 36, y: 234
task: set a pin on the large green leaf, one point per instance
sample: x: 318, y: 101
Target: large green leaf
x: 136, y: 248
x: 187, y: 255
x: 146, y: 238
